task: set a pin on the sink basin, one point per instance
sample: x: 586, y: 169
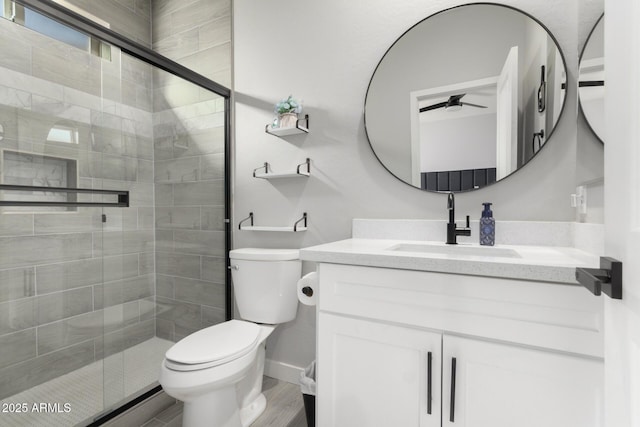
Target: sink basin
x: 486, y: 251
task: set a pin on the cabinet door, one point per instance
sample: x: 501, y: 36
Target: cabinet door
x: 376, y: 375
x: 498, y: 385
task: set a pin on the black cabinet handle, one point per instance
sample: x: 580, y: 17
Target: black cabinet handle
x: 429, y: 391
x: 452, y: 406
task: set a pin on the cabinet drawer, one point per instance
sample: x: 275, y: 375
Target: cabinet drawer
x: 548, y: 315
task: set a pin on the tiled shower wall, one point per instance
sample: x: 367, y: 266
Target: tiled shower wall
x: 65, y: 278
x: 189, y: 166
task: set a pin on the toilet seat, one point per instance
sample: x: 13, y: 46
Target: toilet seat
x: 213, y: 346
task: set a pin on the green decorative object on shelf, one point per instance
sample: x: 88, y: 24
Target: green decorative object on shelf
x: 288, y: 110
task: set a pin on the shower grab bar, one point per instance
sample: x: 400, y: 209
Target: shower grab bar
x: 123, y: 196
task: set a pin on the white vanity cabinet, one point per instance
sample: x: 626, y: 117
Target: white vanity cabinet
x: 526, y: 353
x: 377, y: 374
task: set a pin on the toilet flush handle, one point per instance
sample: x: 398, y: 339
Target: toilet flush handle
x: 233, y: 267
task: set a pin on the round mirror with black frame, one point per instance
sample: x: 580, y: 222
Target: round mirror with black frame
x: 591, y: 80
x: 465, y: 97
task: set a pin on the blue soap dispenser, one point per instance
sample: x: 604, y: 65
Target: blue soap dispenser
x: 487, y: 226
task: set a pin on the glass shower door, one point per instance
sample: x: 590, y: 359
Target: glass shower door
x: 56, y: 212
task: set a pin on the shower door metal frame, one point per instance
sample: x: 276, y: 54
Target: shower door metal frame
x: 143, y: 53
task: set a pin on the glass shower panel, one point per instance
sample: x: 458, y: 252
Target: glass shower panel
x: 52, y: 255
x: 123, y: 141
x: 189, y: 150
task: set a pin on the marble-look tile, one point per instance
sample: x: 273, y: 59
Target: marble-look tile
x: 214, y: 269
x: 210, y: 61
x: 182, y: 331
x: 59, y: 109
x: 68, y: 223
x: 182, y: 170
x: 23, y: 251
x: 145, y: 171
x: 164, y: 194
x: 120, y: 219
x: 49, y: 66
x: 212, y: 166
x: 17, y: 347
x: 16, y: 224
x: 138, y: 287
x: 178, y: 265
x: 37, y: 370
x: 199, y: 292
x: 164, y: 240
x: 74, y: 330
x: 123, y: 291
x: 18, y: 315
x: 201, y: 12
x: 147, y: 308
x: 17, y: 283
x: 60, y: 305
x: 211, y: 243
x: 218, y: 32
x: 138, y: 146
x: 120, y: 340
x: 165, y: 329
x: 213, y: 315
x: 126, y: 242
x: 170, y: 96
x: 15, y: 97
x: 163, y: 8
x: 143, y: 7
x: 164, y: 286
x: 209, y: 141
x: 178, y: 45
x: 178, y: 218
x: 14, y: 51
x: 75, y: 274
x: 146, y: 263
x: 182, y: 314
x: 213, y: 218
x: 146, y: 218
x: 199, y: 193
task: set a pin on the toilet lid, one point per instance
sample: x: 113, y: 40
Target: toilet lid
x: 213, y: 346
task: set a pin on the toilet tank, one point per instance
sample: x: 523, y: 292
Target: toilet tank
x: 264, y: 283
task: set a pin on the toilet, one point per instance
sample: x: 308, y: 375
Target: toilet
x: 217, y: 371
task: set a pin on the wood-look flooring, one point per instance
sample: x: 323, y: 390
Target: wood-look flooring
x: 284, y: 408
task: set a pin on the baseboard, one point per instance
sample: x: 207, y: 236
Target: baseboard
x: 282, y: 371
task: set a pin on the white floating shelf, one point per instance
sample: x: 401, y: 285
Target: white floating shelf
x: 294, y: 229
x: 272, y: 175
x: 299, y: 128
x: 267, y: 174
x: 263, y: 228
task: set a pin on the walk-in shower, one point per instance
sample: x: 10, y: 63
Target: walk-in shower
x: 113, y: 207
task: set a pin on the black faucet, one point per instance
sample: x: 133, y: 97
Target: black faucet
x: 452, y: 230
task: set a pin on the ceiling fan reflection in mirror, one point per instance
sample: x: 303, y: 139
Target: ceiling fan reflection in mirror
x: 452, y: 104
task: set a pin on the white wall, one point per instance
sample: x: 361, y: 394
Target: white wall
x: 465, y: 143
x: 325, y: 52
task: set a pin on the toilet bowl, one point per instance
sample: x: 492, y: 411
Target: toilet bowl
x: 217, y: 371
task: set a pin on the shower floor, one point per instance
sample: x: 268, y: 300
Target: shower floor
x: 83, y: 392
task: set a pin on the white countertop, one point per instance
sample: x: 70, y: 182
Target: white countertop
x: 538, y: 263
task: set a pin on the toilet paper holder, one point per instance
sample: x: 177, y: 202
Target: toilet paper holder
x: 308, y: 291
